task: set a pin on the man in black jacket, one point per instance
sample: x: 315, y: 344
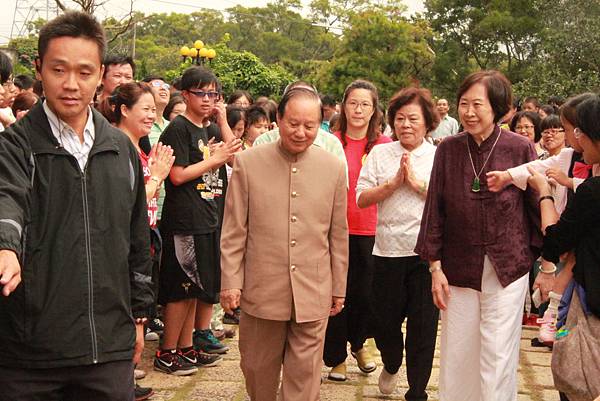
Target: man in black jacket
x: 74, y: 243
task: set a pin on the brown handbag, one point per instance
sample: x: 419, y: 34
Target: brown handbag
x: 576, y: 357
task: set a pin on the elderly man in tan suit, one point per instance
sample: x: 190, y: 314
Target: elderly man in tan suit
x: 284, y: 253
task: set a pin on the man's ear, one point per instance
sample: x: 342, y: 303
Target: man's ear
x: 38, y: 68
x: 102, y: 67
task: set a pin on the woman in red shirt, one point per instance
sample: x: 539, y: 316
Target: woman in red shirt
x: 132, y: 109
x: 359, y: 130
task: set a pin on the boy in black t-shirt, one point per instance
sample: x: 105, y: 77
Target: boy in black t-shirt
x: 190, y: 274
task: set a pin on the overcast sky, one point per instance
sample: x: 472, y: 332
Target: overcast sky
x: 119, y: 8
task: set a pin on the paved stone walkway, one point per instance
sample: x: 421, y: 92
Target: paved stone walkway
x: 226, y: 383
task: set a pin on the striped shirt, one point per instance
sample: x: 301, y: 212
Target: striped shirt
x: 68, y: 138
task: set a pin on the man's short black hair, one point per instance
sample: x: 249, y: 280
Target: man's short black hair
x: 256, y: 114
x: 117, y: 59
x: 38, y: 89
x: 328, y: 100
x: 199, y: 77
x: 75, y: 24
x: 23, y: 82
x: 5, y: 67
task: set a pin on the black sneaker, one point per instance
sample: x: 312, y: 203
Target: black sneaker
x: 205, y: 341
x: 156, y: 325
x: 143, y: 393
x: 154, y: 329
x: 201, y: 359
x: 234, y: 318
x: 173, y: 363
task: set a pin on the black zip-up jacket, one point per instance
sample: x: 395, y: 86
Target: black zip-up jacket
x: 83, y: 244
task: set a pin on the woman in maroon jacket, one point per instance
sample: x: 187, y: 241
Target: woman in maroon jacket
x: 480, y: 246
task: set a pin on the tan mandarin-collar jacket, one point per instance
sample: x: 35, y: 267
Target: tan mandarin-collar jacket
x: 285, y: 236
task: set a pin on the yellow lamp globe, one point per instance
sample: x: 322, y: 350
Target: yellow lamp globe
x: 203, y: 52
x: 211, y: 53
x: 198, y: 44
x: 184, y: 51
x: 192, y: 52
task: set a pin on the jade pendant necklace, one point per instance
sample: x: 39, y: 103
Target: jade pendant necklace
x: 476, y: 185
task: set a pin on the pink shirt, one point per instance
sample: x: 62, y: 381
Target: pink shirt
x: 153, y: 204
x: 360, y: 221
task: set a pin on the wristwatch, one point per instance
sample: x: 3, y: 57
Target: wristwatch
x: 434, y: 268
x: 551, y: 271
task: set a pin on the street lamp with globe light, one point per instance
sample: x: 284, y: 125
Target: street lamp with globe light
x: 198, y: 53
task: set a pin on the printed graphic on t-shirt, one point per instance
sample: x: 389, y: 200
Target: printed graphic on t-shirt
x: 211, y: 186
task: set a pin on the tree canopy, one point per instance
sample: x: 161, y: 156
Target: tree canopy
x: 380, y: 45
x: 545, y: 47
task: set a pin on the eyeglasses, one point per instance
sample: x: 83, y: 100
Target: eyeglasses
x: 365, y: 106
x: 577, y: 133
x: 159, y: 84
x: 553, y: 131
x: 211, y: 95
x: 524, y: 127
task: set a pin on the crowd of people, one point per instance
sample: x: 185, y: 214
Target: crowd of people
x: 158, y: 211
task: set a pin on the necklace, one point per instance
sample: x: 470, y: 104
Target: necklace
x: 476, y: 185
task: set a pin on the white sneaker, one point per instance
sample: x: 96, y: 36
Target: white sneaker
x: 151, y: 335
x: 547, y: 331
x: 387, y: 381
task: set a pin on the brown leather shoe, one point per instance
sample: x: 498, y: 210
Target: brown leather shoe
x: 225, y: 333
x: 219, y: 334
x: 364, y: 360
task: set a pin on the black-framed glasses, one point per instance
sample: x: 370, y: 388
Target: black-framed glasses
x: 210, y: 94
